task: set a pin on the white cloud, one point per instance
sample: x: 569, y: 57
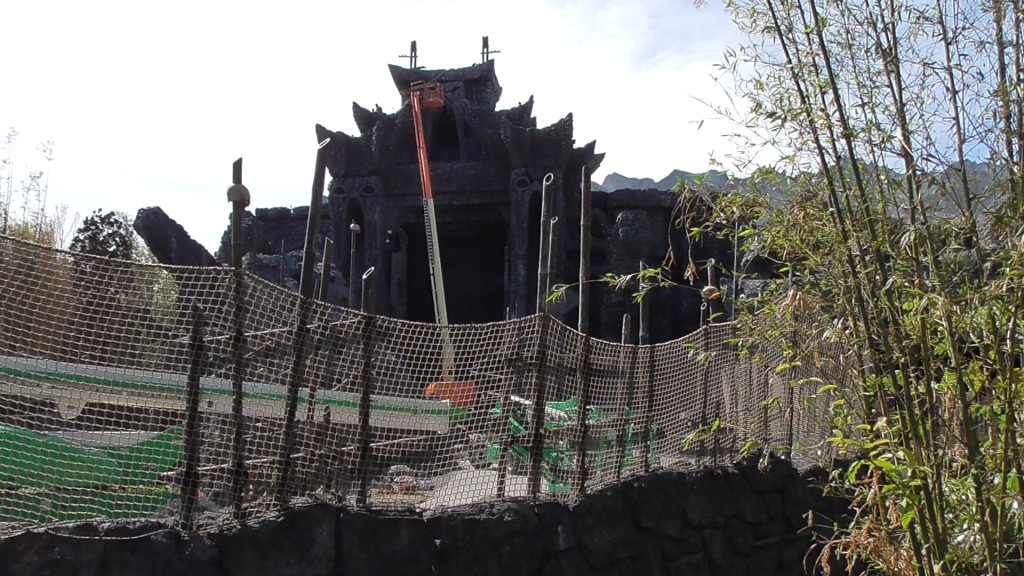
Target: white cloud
x: 150, y: 104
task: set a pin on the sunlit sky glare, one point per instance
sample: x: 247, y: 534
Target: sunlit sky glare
x: 150, y: 103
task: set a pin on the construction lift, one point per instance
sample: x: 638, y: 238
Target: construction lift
x: 430, y: 96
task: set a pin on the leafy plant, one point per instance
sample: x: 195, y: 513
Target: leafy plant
x: 899, y: 129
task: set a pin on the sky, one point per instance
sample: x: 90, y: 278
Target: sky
x: 150, y: 103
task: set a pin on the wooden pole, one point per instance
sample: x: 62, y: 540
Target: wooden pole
x: 314, y: 384
x: 583, y: 375
x: 238, y: 195
x: 300, y: 330
x: 537, y: 415
x: 365, y: 388
x: 583, y: 324
x: 704, y: 384
x: 322, y: 296
x: 190, y: 474
x: 645, y: 343
x: 504, y: 431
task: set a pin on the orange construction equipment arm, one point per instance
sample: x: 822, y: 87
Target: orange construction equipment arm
x: 421, y: 145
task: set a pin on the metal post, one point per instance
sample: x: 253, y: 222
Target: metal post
x: 546, y: 200
x: 552, y: 258
x: 238, y: 195
x: 366, y: 301
x: 353, y: 237
x: 625, y: 393
x: 325, y: 270
x: 299, y: 332
x: 190, y: 474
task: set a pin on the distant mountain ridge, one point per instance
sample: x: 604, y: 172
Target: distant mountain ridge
x: 616, y: 181
x: 984, y: 181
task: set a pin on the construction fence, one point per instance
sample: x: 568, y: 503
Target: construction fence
x: 199, y: 397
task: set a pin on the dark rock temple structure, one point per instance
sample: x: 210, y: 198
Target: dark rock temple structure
x: 487, y: 166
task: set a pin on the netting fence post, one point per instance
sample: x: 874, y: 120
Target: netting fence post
x: 238, y: 195
x: 327, y: 341
x: 365, y: 387
x: 765, y: 407
x: 324, y: 286
x: 298, y: 338
x: 539, y: 402
x: 331, y: 369
x: 705, y: 362
x: 625, y: 393
x: 790, y: 410
x: 648, y: 430
x: 645, y: 343
x: 238, y: 473
x: 323, y: 451
x: 582, y: 470
x: 583, y: 325
x: 504, y: 431
x: 301, y: 331
x: 190, y: 473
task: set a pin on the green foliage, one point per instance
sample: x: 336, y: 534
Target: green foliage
x: 24, y: 213
x: 898, y: 125
x: 108, y: 235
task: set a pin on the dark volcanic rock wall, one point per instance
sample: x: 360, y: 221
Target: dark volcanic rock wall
x: 273, y: 240
x: 736, y: 520
x: 168, y: 240
x: 487, y: 167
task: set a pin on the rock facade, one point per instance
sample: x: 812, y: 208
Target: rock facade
x: 745, y: 519
x: 487, y: 167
